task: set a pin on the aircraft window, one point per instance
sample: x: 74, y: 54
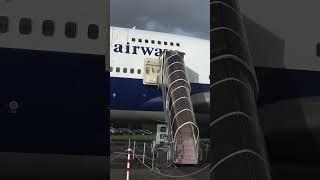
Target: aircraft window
x: 171, y: 44
x: 147, y: 70
x: 133, y: 39
x: 178, y: 44
x: 152, y: 41
x: 165, y: 43
x: 93, y: 31
x: 139, y: 71
x: 146, y: 41
x: 131, y: 70
x: 117, y: 69
x: 318, y: 49
x: 124, y: 70
x: 48, y: 28
x: 70, y: 30
x: 159, y: 42
x: 163, y: 129
x: 4, y: 24
x: 140, y: 40
x: 25, y: 26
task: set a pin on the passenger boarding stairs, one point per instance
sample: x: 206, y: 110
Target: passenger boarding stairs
x: 178, y: 109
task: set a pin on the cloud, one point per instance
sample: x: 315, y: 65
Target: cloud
x: 184, y: 17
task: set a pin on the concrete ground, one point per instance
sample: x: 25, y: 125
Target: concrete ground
x: 139, y: 172
x: 118, y: 164
x: 45, y: 166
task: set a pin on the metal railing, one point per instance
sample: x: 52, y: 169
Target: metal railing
x: 177, y: 103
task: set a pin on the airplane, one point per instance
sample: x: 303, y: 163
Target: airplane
x: 284, y: 46
x: 53, y: 88
x: 286, y: 56
x: 283, y: 38
x: 130, y: 99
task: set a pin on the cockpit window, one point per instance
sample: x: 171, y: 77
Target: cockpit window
x: 70, y: 30
x: 4, y: 24
x: 93, y: 31
x: 48, y: 28
x: 25, y: 26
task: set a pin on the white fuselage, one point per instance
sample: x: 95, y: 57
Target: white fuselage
x: 126, y: 53
x: 128, y: 50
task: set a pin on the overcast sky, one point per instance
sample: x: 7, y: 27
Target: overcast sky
x: 184, y: 17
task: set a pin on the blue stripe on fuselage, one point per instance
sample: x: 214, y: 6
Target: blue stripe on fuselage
x: 131, y: 94
x: 279, y: 84
x: 62, y: 102
x: 274, y: 83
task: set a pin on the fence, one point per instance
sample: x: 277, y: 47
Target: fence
x: 148, y: 154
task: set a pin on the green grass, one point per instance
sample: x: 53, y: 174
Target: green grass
x: 204, y: 140
x: 146, y: 138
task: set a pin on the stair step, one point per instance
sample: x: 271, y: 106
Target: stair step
x: 192, y: 155
x: 187, y: 162
x: 185, y: 159
x: 184, y: 145
x: 177, y: 149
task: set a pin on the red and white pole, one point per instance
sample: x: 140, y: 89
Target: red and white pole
x: 128, y: 162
